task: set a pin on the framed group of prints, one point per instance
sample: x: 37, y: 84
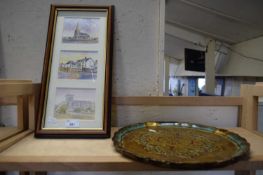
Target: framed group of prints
x: 75, y: 91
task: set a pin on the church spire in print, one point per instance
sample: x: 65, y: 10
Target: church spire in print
x: 77, y: 31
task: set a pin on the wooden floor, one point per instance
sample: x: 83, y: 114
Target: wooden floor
x: 31, y: 154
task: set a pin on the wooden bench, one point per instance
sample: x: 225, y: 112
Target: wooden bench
x: 42, y: 155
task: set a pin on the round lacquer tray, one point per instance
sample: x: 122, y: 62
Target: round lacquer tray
x: 180, y: 145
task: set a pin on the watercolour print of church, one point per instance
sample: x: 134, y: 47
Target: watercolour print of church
x: 80, y: 36
x: 74, y: 108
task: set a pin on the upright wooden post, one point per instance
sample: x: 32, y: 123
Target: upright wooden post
x: 250, y: 94
x: 210, y: 68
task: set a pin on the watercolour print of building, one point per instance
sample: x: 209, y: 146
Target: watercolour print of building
x: 78, y: 65
x: 80, y: 30
x: 75, y: 104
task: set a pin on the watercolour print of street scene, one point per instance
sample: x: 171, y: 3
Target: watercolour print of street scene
x: 72, y: 103
x: 80, y: 30
x: 81, y: 65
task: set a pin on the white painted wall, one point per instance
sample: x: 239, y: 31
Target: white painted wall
x: 212, y: 115
x: 174, y: 48
x: 240, y: 66
x: 177, y: 39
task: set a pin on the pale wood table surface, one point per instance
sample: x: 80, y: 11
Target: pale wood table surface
x: 8, y: 131
x: 31, y: 154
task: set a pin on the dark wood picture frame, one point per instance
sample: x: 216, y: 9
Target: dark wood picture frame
x: 77, y: 64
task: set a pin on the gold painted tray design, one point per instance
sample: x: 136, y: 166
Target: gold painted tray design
x: 180, y: 145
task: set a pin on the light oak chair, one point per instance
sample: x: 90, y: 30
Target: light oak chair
x: 21, y: 93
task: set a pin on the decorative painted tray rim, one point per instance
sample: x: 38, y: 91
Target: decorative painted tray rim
x: 243, y: 152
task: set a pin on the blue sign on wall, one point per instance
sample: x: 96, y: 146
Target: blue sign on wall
x: 191, y: 86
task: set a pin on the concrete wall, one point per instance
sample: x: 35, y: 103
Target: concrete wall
x: 136, y: 54
x: 23, y: 34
